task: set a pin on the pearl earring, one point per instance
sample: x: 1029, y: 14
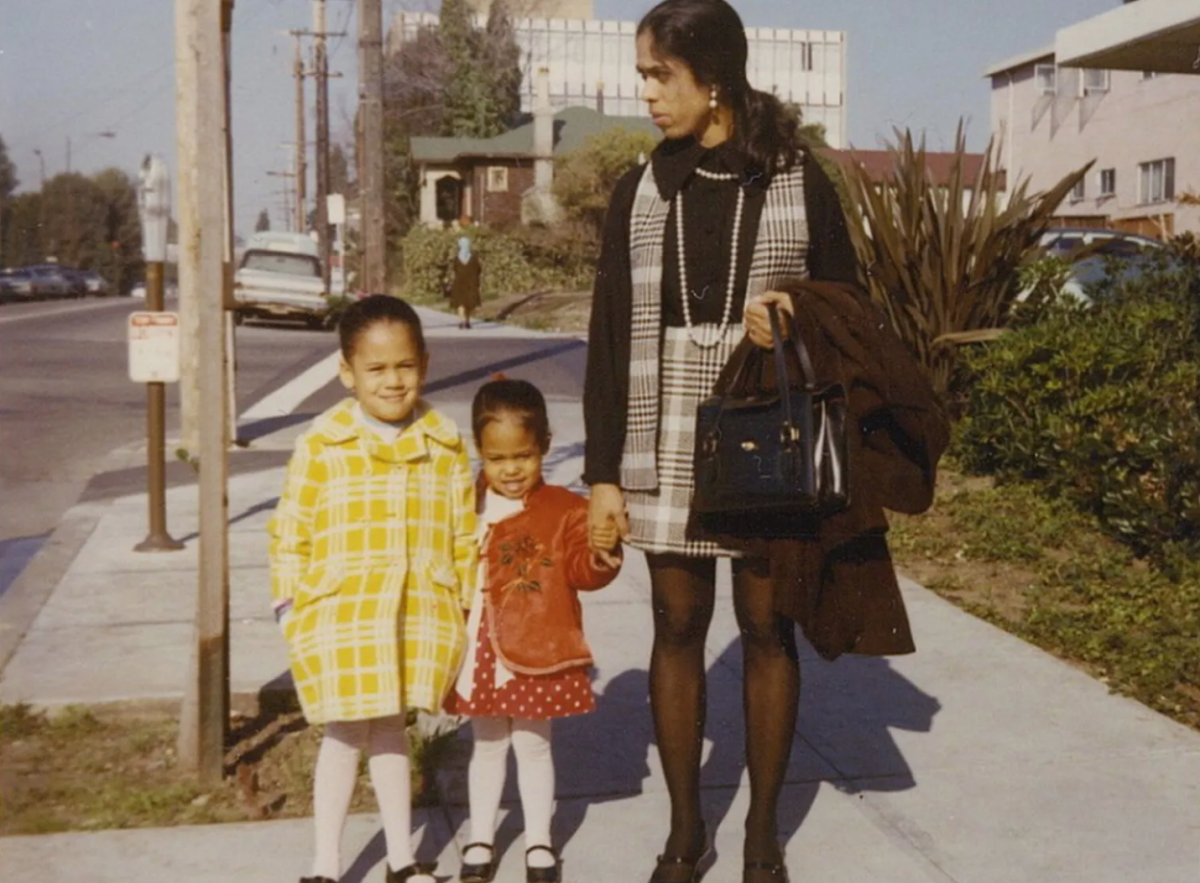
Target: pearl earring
x: 712, y: 98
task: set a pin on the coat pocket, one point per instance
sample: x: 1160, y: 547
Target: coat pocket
x: 318, y: 584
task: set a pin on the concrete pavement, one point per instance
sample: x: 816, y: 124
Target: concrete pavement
x: 978, y: 759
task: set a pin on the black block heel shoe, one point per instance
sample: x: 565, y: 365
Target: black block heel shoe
x: 543, y: 875
x: 416, y: 869
x: 775, y: 871
x: 478, y: 872
x: 681, y: 868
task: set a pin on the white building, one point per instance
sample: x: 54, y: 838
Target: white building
x: 592, y: 64
x: 1130, y: 101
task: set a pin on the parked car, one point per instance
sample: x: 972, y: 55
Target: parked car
x: 50, y: 280
x: 1091, y: 252
x: 15, y: 284
x: 281, y: 285
x: 95, y: 284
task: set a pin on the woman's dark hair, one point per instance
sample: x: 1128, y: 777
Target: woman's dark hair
x: 372, y: 309
x: 708, y: 36
x: 521, y: 399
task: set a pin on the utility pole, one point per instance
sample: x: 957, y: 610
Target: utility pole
x: 301, y: 167
x: 321, y: 72
x: 370, y: 66
x: 203, y: 244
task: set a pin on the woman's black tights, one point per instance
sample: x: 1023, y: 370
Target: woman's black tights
x: 683, y: 591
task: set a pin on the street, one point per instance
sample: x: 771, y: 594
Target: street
x: 66, y: 403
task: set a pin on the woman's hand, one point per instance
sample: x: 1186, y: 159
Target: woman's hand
x: 607, y: 522
x: 758, y: 320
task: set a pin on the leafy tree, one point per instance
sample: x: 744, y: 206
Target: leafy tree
x: 501, y: 58
x: 8, y: 183
x: 118, y: 256
x: 584, y: 178
x: 263, y: 223
x: 22, y: 243
x: 339, y: 171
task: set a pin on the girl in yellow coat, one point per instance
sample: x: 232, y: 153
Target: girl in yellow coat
x: 373, y: 560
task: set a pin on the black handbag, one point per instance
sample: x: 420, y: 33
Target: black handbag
x: 764, y: 458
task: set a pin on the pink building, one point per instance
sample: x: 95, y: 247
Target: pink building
x: 1141, y: 127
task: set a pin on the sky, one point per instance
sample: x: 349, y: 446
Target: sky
x: 98, y: 75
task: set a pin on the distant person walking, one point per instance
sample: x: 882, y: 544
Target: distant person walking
x: 373, y: 558
x: 467, y: 278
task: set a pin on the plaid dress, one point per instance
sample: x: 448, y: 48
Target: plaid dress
x: 669, y: 374
x: 374, y: 543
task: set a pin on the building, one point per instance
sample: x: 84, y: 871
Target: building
x: 592, y: 64
x: 1059, y: 107
x: 506, y: 180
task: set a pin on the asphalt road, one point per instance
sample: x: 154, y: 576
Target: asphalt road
x: 66, y: 402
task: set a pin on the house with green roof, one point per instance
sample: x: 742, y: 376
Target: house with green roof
x: 506, y: 179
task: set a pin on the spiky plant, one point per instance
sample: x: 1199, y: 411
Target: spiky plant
x: 943, y: 263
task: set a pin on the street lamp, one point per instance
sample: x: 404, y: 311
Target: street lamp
x: 154, y: 207
x: 105, y: 134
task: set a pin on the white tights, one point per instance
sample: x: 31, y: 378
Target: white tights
x: 386, y: 742
x: 530, y: 741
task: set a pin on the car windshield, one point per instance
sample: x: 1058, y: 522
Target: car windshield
x: 282, y: 262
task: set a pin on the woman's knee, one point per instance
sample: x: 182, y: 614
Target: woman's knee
x: 683, y: 591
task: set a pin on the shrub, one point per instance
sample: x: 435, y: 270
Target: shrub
x: 1100, y: 406
x: 584, y: 178
x: 514, y: 260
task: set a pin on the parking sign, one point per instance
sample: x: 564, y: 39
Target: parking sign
x: 154, y: 347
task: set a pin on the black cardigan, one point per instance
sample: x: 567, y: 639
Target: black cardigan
x: 606, y: 384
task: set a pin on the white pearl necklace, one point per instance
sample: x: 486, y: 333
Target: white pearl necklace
x: 685, y: 292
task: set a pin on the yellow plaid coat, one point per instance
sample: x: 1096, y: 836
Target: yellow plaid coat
x: 374, y: 543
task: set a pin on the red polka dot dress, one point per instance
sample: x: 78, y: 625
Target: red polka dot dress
x: 531, y: 697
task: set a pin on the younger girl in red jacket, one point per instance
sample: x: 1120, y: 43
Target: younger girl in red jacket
x: 527, y: 661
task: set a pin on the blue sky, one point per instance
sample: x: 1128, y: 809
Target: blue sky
x: 70, y: 69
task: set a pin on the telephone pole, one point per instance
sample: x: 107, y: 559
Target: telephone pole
x: 370, y: 66
x: 201, y: 95
x: 301, y: 167
x: 321, y: 72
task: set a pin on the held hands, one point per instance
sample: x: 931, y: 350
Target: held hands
x: 607, y: 524
x: 758, y: 321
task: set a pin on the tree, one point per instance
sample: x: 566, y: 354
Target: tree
x: 8, y: 183
x: 339, y: 171
x: 263, y: 223
x: 584, y: 178
x: 119, y: 256
x: 501, y: 59
x: 22, y: 243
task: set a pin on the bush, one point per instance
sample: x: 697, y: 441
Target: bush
x: 1100, y: 406
x: 584, y: 179
x: 514, y: 261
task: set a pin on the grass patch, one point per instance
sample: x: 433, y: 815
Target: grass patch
x: 115, y: 767
x: 1042, y: 570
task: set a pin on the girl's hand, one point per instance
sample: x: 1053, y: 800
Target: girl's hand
x: 607, y: 522
x: 758, y: 321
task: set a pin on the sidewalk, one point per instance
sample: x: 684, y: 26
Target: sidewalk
x: 978, y: 759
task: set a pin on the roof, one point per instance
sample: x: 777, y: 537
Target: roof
x: 572, y: 126
x: 879, y: 164
x: 1151, y: 35
x: 1022, y: 60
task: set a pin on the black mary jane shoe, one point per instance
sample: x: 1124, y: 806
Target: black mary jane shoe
x: 775, y: 871
x: 680, y: 868
x: 478, y: 872
x: 551, y: 874
x: 416, y: 869
x: 317, y: 880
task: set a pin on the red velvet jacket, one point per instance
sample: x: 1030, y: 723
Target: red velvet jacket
x: 538, y: 561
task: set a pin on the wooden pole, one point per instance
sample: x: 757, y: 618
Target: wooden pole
x: 301, y: 167
x: 321, y: 72
x: 370, y: 43
x: 203, y: 243
x: 186, y: 70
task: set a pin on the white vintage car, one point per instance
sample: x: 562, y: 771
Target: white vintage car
x: 281, y: 284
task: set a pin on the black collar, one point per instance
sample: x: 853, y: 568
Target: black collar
x: 675, y: 161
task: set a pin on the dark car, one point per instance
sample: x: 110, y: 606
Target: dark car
x: 15, y: 284
x: 50, y: 280
x: 95, y: 284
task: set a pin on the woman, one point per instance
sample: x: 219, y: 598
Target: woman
x: 728, y: 215
x: 464, y: 288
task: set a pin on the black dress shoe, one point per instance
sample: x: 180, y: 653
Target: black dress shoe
x: 317, y: 880
x: 773, y: 871
x: 543, y: 875
x: 681, y: 868
x: 478, y: 872
x: 408, y: 872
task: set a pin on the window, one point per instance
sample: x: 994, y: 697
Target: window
x: 1108, y: 182
x: 497, y: 179
x: 1095, y: 81
x: 1079, y: 191
x: 1046, y: 77
x: 1156, y: 181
